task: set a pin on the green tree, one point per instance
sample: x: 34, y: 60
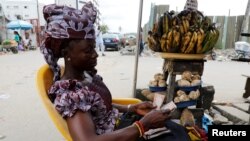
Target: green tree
x: 104, y: 28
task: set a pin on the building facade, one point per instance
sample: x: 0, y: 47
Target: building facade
x: 28, y: 10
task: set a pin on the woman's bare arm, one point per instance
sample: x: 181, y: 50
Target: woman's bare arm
x: 82, y: 128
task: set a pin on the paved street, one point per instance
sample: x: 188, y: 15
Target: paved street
x: 23, y: 117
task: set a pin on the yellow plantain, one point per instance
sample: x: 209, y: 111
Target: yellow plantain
x: 183, y: 23
x: 163, y: 25
x: 174, y: 22
x: 176, y: 41
x: 200, y: 39
x: 192, y: 43
x: 187, y: 24
x: 185, y: 41
x: 184, y: 26
x: 169, y: 39
x: 166, y: 24
x: 182, y: 30
x: 151, y: 43
x: 163, y: 42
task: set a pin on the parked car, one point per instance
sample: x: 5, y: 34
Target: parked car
x: 122, y: 38
x: 130, y: 40
x: 111, y: 41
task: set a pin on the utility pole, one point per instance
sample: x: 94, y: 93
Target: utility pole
x: 38, y: 25
x: 138, y: 46
x: 76, y: 4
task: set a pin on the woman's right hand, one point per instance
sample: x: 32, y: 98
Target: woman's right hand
x: 155, y: 119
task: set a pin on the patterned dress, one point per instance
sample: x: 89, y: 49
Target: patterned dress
x: 90, y: 95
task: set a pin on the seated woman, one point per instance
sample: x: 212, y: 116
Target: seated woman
x: 80, y: 95
x: 27, y: 41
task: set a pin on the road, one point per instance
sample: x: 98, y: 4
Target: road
x: 23, y: 117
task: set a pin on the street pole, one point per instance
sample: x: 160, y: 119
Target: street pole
x: 138, y: 46
x: 76, y: 4
x: 38, y: 24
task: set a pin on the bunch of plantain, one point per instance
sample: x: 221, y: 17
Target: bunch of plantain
x: 186, y: 32
x: 175, y: 40
x: 200, y: 38
x: 151, y: 43
x: 192, y: 43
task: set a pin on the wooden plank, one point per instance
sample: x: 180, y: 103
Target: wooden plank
x: 171, y: 87
x: 194, y: 66
x: 230, y: 32
x: 238, y: 27
x: 182, y: 56
x: 220, y: 20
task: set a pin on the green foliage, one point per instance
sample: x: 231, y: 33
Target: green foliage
x: 6, y: 42
x: 104, y: 28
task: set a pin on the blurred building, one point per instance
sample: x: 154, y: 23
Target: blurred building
x: 28, y: 10
x: 155, y: 13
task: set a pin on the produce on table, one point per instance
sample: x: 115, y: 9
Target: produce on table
x: 186, y: 32
x: 158, y: 81
x: 158, y: 76
x: 153, y: 83
x: 188, y: 79
x: 183, y: 83
x: 194, y: 94
x: 182, y: 96
x: 180, y: 92
x: 9, y: 43
x: 195, y: 82
x: 186, y: 75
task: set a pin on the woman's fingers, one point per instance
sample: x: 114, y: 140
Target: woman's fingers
x: 167, y: 111
x: 150, y: 105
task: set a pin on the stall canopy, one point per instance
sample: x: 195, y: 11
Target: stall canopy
x: 19, y: 24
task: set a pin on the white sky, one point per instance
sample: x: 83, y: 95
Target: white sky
x: 124, y: 13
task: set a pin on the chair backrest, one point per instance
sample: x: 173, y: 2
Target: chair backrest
x: 44, y: 81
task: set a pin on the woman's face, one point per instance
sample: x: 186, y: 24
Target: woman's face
x: 82, y: 54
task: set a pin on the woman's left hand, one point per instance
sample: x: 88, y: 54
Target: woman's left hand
x: 143, y: 108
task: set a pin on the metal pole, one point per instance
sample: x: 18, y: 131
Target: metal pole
x: 38, y: 24
x: 138, y: 46
x: 76, y: 4
x: 4, y: 24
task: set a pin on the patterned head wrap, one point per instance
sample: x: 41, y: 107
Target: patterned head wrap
x: 64, y: 22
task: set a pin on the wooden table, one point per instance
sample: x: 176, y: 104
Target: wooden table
x: 176, y: 64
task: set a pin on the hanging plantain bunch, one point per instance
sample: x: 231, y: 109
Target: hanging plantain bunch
x: 187, y: 32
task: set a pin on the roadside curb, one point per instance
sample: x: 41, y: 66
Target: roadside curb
x: 236, y: 120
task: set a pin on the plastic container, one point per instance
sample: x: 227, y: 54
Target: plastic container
x: 157, y: 89
x: 185, y: 104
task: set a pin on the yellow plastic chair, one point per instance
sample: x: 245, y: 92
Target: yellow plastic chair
x: 43, y: 81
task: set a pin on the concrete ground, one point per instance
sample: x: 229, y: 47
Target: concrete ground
x: 23, y: 117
